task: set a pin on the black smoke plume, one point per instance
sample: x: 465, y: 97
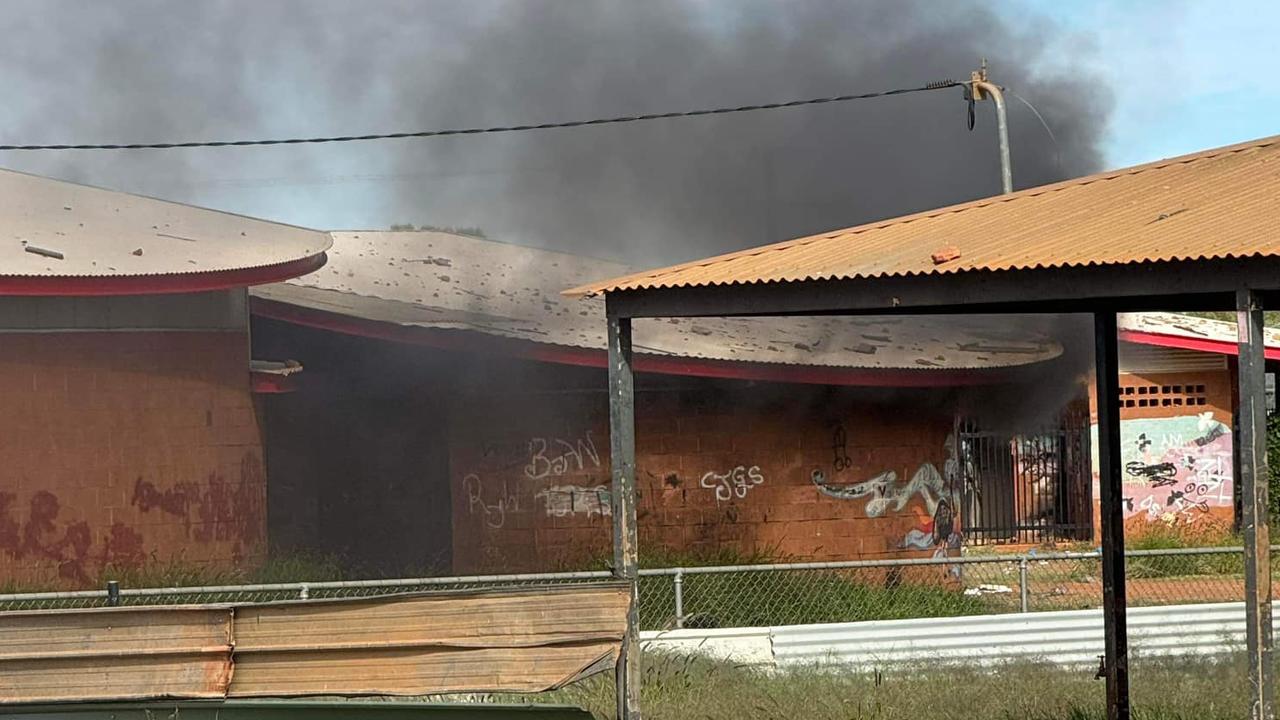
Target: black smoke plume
x: 145, y: 70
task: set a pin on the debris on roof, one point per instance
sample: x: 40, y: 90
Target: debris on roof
x: 513, y: 292
x: 96, y: 233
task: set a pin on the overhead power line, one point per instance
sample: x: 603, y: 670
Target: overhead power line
x: 941, y: 85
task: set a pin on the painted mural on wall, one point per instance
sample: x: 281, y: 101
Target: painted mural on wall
x: 1175, y: 469
x: 930, y: 496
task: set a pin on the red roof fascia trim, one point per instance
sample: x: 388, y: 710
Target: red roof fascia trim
x: 82, y: 285
x: 1189, y: 343
x: 467, y: 341
x: 271, y: 384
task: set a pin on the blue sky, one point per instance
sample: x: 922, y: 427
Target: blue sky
x: 1185, y: 74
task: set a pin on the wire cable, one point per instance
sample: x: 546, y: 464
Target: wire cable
x: 941, y: 85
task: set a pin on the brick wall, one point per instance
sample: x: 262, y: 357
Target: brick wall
x: 1175, y: 435
x: 127, y: 448
x: 750, y: 469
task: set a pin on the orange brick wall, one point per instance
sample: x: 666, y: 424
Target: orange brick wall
x: 716, y: 469
x: 125, y: 448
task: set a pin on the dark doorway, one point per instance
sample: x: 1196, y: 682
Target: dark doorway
x: 1030, y: 486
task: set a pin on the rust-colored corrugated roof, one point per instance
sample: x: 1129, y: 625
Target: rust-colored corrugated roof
x: 1216, y: 204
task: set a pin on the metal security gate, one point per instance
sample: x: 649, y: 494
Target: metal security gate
x: 1030, y: 486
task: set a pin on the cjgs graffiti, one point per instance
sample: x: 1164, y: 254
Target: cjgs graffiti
x: 1176, y: 468
x: 734, y: 484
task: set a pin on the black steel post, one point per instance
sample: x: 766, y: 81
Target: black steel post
x: 1115, y: 629
x: 1251, y: 453
x: 113, y: 593
x: 622, y: 441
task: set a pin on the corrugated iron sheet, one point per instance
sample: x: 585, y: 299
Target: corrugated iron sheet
x: 522, y: 640
x: 117, y: 653
x: 293, y: 710
x: 1071, y: 637
x: 1221, y: 203
x: 448, y: 282
x: 105, y: 233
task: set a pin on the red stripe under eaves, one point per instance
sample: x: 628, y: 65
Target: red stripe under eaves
x: 105, y: 285
x: 469, y: 341
x: 1180, y: 342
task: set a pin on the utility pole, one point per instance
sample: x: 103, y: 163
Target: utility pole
x: 981, y: 89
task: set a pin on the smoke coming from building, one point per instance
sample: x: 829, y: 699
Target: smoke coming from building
x: 642, y: 193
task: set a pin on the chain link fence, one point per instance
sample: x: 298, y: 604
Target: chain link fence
x: 793, y: 593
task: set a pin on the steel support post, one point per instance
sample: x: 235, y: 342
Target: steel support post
x: 1251, y: 453
x: 622, y: 442
x: 1115, y: 630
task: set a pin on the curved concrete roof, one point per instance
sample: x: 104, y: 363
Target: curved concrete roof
x: 440, y: 281
x: 61, y: 238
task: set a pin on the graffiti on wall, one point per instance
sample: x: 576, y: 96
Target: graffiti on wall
x: 215, y: 510
x: 937, y: 527
x: 492, y: 506
x: 554, y: 457
x: 735, y: 483
x: 566, y: 500
x: 884, y: 492
x: 541, y: 459
x: 1176, y: 469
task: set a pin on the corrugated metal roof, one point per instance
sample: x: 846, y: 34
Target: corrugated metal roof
x: 105, y: 233
x: 452, y: 282
x: 1221, y: 203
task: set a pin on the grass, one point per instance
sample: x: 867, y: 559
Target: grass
x: 682, y: 687
x: 1159, y: 536
x: 289, y: 567
x: 793, y: 597
x: 753, y: 599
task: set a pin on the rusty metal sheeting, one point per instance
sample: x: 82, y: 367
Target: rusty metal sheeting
x: 1220, y: 203
x: 116, y: 653
x: 521, y: 640
x: 291, y: 710
x: 464, y: 619
x: 415, y: 671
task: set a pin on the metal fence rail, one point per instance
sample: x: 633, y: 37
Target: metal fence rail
x: 792, y: 593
